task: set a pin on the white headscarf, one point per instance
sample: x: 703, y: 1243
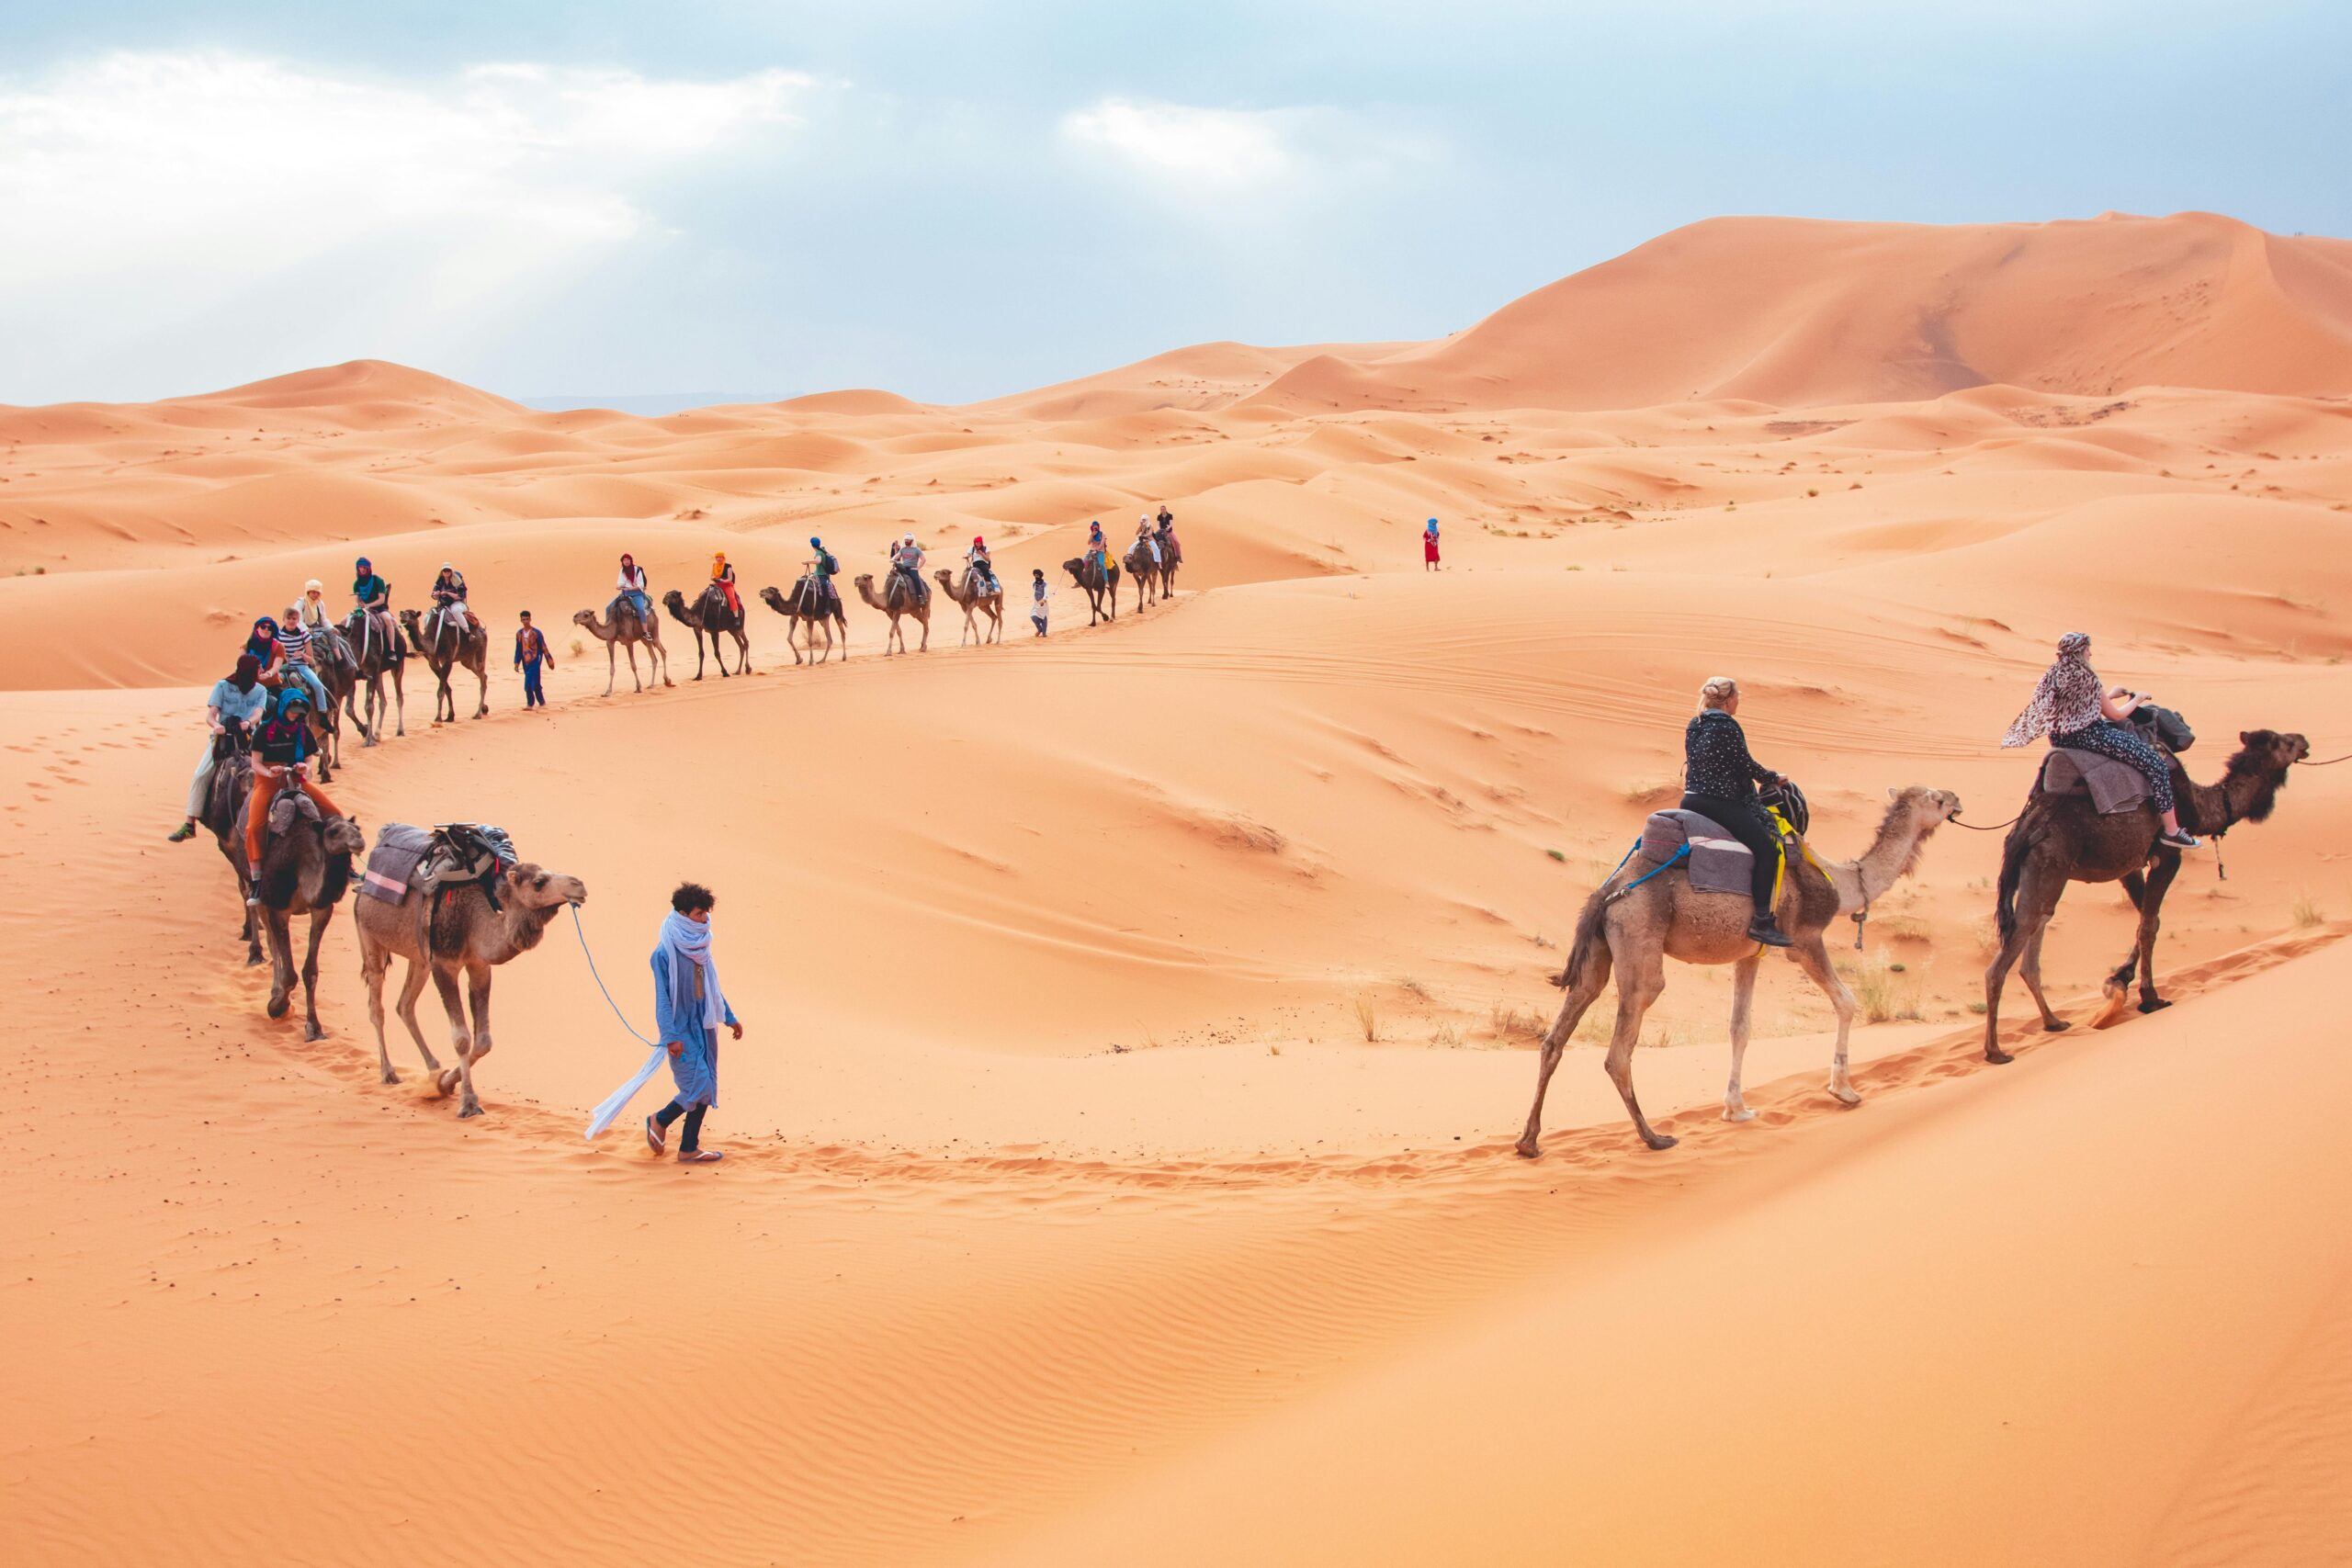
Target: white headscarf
x: 688, y: 942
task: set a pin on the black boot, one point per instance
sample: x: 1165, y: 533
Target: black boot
x: 1763, y: 927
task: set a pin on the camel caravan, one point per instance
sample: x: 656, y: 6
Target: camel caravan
x: 1724, y: 878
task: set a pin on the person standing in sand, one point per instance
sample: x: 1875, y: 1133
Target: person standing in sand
x: 689, y: 1006
x: 1038, y: 592
x: 531, y: 650
x: 1428, y: 545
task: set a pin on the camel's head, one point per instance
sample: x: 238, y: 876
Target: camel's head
x: 1930, y: 808
x: 344, y: 837
x: 2263, y: 757
x: 1074, y: 567
x: 675, y: 600
x: 534, y: 888
x: 408, y: 618
x: 774, y: 601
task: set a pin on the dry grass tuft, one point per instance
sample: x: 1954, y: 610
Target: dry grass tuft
x: 1367, y: 1012
x: 2306, y: 910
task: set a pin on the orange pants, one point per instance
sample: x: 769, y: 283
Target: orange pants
x: 733, y: 601
x: 267, y: 783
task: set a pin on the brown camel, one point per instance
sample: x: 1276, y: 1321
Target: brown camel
x: 231, y: 782
x: 626, y: 631
x: 376, y: 656
x: 447, y: 644
x: 973, y: 595
x: 339, y: 674
x: 712, y: 614
x: 1633, y: 932
x: 468, y: 937
x: 2060, y: 839
x: 1143, y: 570
x: 808, y: 607
x: 1171, y: 555
x: 1087, y: 574
x: 304, y: 871
x: 902, y: 601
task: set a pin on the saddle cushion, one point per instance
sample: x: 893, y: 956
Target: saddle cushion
x: 2113, y: 786
x: 407, y: 857
x: 1718, y: 863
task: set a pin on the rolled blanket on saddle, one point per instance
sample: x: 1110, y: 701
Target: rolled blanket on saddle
x: 2113, y: 785
x: 406, y: 857
x: 1717, y: 861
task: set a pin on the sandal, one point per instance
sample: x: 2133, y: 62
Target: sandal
x: 657, y: 1137
x: 699, y: 1157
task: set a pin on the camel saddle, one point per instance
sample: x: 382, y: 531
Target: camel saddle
x: 2113, y: 786
x: 1718, y: 863
x: 449, y: 856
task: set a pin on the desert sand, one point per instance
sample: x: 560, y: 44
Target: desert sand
x: 1119, y: 1156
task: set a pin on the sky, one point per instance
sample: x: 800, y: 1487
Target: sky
x: 572, y: 199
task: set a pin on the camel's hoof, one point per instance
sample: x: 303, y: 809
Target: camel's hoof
x: 445, y: 1080
x: 391, y: 1077
x: 465, y: 1112
x: 1738, y: 1113
x: 252, y: 959
x: 1659, y: 1141
x: 279, y: 1008
x: 1845, y: 1096
x: 2056, y: 1025
x: 1997, y: 1056
x: 2154, y: 1004
x: 1525, y: 1148
x: 311, y: 1032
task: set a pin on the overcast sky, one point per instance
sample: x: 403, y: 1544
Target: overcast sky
x: 960, y: 200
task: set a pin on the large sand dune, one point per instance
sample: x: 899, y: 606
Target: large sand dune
x: 1119, y: 1163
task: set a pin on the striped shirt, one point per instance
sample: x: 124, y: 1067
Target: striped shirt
x: 295, y: 643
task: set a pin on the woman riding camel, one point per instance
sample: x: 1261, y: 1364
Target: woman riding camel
x: 373, y: 595
x: 1719, y: 780
x: 823, y: 564
x: 977, y: 559
x: 1144, y: 536
x: 238, y: 700
x: 636, y: 588
x: 724, y: 575
x: 312, y: 608
x: 450, y: 596
x: 2076, y: 712
x: 303, y: 647
x: 280, y: 748
x: 1098, y: 549
x: 906, y: 556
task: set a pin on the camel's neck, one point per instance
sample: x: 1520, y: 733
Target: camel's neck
x: 520, y: 929
x: 1862, y: 882
x: 2215, y: 807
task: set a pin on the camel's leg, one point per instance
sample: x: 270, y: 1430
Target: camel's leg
x: 281, y: 960
x: 481, y: 695
x: 926, y: 619
x: 461, y: 1041
x: 1638, y: 984
x: 413, y: 987
x: 1580, y: 997
x: 2033, y: 903
x: 842, y: 622
x: 311, y: 1028
x: 399, y: 698
x: 373, y: 961
x: 697, y: 653
x: 792, y: 625
x: 2030, y: 971
x: 478, y: 999
x: 661, y: 653
x: 1813, y: 958
x: 2150, y: 918
x: 1743, y: 1012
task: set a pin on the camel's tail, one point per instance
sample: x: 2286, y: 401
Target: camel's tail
x: 2014, y: 848
x: 1589, y: 936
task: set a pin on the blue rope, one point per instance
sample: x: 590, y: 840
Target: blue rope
x: 1673, y: 860
x: 600, y: 979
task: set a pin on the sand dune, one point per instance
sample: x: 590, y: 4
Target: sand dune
x: 1119, y: 1161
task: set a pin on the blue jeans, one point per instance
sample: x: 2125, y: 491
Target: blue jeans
x: 533, y: 697
x: 310, y: 683
x: 644, y: 605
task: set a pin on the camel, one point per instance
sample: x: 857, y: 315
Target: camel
x: 338, y: 672
x: 1634, y: 929
x: 1143, y: 570
x: 231, y: 782
x: 626, y: 631
x: 2060, y: 839
x: 973, y: 597
x: 808, y: 607
x: 711, y: 613
x: 1087, y: 574
x: 304, y: 871
x: 468, y: 937
x: 454, y: 644
x: 902, y: 601
x: 1171, y: 555
x: 376, y: 656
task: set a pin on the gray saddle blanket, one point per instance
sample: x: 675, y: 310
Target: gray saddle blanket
x: 285, y: 808
x: 2113, y: 786
x: 406, y: 857
x: 1718, y: 863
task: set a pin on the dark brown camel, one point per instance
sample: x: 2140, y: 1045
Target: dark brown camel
x: 376, y: 656
x: 468, y: 937
x: 1171, y: 555
x: 1086, y: 572
x: 903, y: 599
x: 338, y: 672
x: 304, y: 871
x: 2061, y: 838
x: 1143, y: 570
x: 711, y: 613
x: 231, y: 782
x: 808, y: 607
x: 447, y: 642
x: 976, y: 597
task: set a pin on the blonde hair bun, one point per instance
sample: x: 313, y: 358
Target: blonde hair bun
x: 1719, y: 690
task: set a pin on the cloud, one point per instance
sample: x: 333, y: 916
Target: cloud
x: 1210, y: 151
x: 141, y: 186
